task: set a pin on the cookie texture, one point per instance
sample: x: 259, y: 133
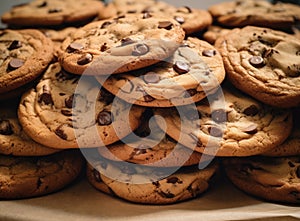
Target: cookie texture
x: 25, y: 177
x: 194, y: 71
x: 271, y: 178
x: 228, y: 123
x: 263, y: 63
x: 121, y: 44
x: 52, y: 12
x: 213, y: 32
x: 25, y: 54
x: 141, y: 186
x: 58, y: 115
x: 256, y: 12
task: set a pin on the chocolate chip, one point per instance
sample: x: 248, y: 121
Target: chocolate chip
x: 147, y: 15
x: 75, y: 46
x: 46, y: 97
x: 173, y: 180
x: 103, y: 47
x: 106, y: 24
x: 250, y: 129
x: 54, y: 10
x: 59, y: 132
x: 165, y: 24
x: 5, y: 127
x: 298, y: 172
x: 192, y: 114
x: 105, y: 118
x: 127, y: 41
x: 257, y: 61
x: 181, y: 67
x: 131, y: 11
x: 209, y: 53
x: 166, y: 195
x: 252, y: 110
x: 156, y: 184
x: 148, y: 98
x: 215, y: 131
x: 219, y: 116
x: 179, y: 19
x: 42, y: 5
x: 69, y: 101
x: 85, y: 59
x: 15, y: 63
x: 151, y: 77
x: 97, y: 176
x: 140, y: 49
x: 190, y: 93
x: 67, y: 113
x: 106, y: 97
x: 189, y: 10
x: 15, y: 45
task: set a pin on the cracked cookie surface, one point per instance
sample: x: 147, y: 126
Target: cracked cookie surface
x: 263, y: 63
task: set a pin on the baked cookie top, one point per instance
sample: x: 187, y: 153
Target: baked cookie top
x: 14, y: 141
x: 23, y: 177
x: 194, y: 71
x: 65, y: 111
x: 24, y: 56
x: 191, y: 19
x: 263, y: 63
x: 52, y: 12
x: 120, y: 44
x: 256, y: 12
x: 271, y: 178
x: 228, y: 124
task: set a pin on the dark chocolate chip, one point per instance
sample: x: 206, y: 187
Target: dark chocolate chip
x: 54, y: 10
x: 181, y: 67
x: 166, y: 195
x: 173, y: 180
x: 15, y: 45
x: 147, y: 15
x: 156, y: 184
x: 257, y: 61
x: 127, y: 41
x: 298, y: 172
x: 69, y: 101
x: 106, y: 24
x: 252, y: 110
x: 15, y: 63
x: 140, y: 49
x: 85, y: 59
x: 97, y: 176
x: 151, y: 77
x: 5, y: 127
x: 165, y: 24
x: 250, y: 129
x: 132, y: 11
x: 105, y: 118
x: 179, y: 19
x: 106, y: 97
x: 190, y: 93
x: 59, y: 132
x: 75, y: 46
x: 209, y: 53
x: 67, y: 113
x: 219, y: 116
x: 42, y: 5
x: 215, y: 131
x: 103, y: 47
x: 291, y: 164
x: 46, y: 97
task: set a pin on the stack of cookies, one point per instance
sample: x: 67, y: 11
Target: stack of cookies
x: 153, y: 106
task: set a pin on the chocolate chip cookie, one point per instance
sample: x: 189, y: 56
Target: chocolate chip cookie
x: 140, y: 184
x: 194, y: 71
x: 192, y: 20
x: 65, y: 111
x: 258, y: 13
x: 24, y: 177
x: 14, y: 141
x: 25, y: 54
x: 213, y: 32
x: 270, y: 178
x: 228, y: 123
x: 263, y: 63
x: 121, y: 44
x: 52, y: 12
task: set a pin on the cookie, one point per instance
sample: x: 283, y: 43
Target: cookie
x: 52, y: 13
x: 257, y: 13
x: 25, y: 177
x: 13, y: 140
x: 274, y: 179
x: 66, y: 111
x: 140, y: 184
x: 263, y: 63
x: 24, y: 56
x: 121, y: 44
x: 192, y: 20
x: 228, y: 123
x: 214, y: 32
x: 194, y: 71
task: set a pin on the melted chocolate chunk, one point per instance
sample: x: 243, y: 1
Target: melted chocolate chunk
x: 251, y: 110
x: 46, y: 96
x: 219, y: 116
x: 105, y: 118
x: 15, y: 45
x: 54, y: 10
x: 97, y: 176
x: 5, y: 127
x: 215, y: 131
x: 140, y: 49
x: 209, y: 53
x: 74, y: 47
x: 59, y: 132
x: 181, y: 67
x: 15, y: 63
x: 85, y: 59
x: 257, y: 61
x: 179, y: 19
x: 151, y: 77
x: 165, y: 24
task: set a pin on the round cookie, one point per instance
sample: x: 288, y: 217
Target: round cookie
x: 120, y: 44
x: 263, y: 63
x: 66, y: 111
x: 141, y: 186
x: 214, y: 32
x: 52, y: 12
x: 270, y: 178
x: 228, y: 124
x: 257, y: 13
x: 13, y: 140
x: 24, y: 56
x: 192, y: 20
x: 25, y: 177
x: 194, y: 71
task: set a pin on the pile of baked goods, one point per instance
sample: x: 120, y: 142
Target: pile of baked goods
x: 150, y: 101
